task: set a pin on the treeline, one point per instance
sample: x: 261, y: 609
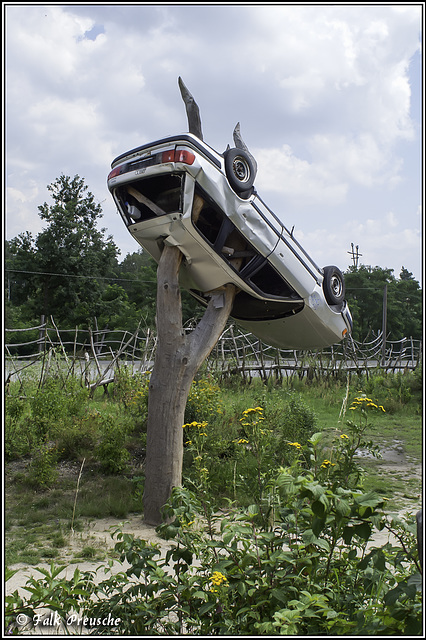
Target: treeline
x: 71, y: 271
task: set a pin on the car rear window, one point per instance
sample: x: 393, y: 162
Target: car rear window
x: 147, y: 198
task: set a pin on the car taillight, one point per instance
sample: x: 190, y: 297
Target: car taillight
x: 178, y: 155
x: 168, y: 156
x: 171, y: 155
x: 183, y: 155
x: 115, y: 172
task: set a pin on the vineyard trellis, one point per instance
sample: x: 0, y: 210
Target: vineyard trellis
x: 96, y: 354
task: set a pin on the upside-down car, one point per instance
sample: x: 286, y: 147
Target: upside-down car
x: 179, y: 191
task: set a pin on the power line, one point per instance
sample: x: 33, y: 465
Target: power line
x: 70, y: 275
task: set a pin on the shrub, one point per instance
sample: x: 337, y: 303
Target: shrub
x: 20, y: 438
x: 297, y: 421
x: 203, y: 401
x: 131, y: 390
x: 111, y: 451
x: 56, y: 400
x: 77, y: 438
x: 42, y: 472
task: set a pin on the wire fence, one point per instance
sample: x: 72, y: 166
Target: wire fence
x: 95, y: 355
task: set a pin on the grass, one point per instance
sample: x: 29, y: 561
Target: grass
x: 397, y: 480
x: 38, y: 525
x: 38, y: 522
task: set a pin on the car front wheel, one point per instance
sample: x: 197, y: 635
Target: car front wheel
x: 333, y: 285
x: 240, y: 171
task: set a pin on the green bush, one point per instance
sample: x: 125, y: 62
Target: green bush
x: 77, y: 438
x: 42, y: 471
x: 297, y: 421
x: 131, y: 390
x: 312, y: 571
x: 20, y: 438
x: 203, y: 401
x: 56, y: 400
x: 111, y: 451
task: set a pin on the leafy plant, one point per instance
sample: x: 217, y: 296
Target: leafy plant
x: 301, y: 560
x: 43, y: 471
x: 203, y: 400
x: 111, y: 450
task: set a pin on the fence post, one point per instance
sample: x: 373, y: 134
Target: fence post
x: 41, y: 333
x: 384, y: 323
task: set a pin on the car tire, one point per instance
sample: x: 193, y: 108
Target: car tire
x: 333, y: 285
x: 240, y: 171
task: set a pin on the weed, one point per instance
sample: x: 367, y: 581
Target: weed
x: 43, y: 471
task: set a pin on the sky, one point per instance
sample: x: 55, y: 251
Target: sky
x: 329, y: 98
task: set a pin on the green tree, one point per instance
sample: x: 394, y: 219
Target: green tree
x: 138, y: 272
x: 138, y: 278
x: 365, y: 287
x: 66, y: 262
x: 408, y: 306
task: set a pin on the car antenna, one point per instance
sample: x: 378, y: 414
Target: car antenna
x: 192, y: 110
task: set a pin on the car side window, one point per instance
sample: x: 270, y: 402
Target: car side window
x: 233, y: 247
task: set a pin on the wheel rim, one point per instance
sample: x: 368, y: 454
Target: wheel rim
x: 241, y: 169
x: 336, y: 286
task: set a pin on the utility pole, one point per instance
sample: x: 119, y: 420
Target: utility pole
x: 355, y: 254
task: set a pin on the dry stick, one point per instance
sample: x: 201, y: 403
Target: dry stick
x: 60, y: 340
x: 94, y: 352
x: 345, y: 399
x: 114, y: 361
x: 76, y: 494
x: 44, y: 356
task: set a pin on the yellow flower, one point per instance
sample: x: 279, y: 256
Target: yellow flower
x: 295, y: 444
x: 382, y: 408
x: 327, y: 463
x: 344, y: 436
x: 371, y: 404
x: 247, y: 412
x: 218, y: 578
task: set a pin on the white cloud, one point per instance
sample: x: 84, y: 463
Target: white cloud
x: 298, y: 180
x: 380, y: 244
x: 323, y: 94
x: 23, y: 203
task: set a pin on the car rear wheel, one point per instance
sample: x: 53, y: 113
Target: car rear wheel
x: 333, y: 285
x: 240, y: 171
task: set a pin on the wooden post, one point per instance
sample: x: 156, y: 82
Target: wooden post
x: 177, y: 359
x: 384, y: 323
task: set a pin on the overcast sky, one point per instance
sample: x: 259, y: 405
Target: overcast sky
x: 328, y: 97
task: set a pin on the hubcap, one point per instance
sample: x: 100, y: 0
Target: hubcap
x: 336, y: 286
x: 241, y: 169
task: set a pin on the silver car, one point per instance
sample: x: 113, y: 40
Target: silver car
x: 179, y: 191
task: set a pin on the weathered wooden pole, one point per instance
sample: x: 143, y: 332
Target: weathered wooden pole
x: 177, y: 360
